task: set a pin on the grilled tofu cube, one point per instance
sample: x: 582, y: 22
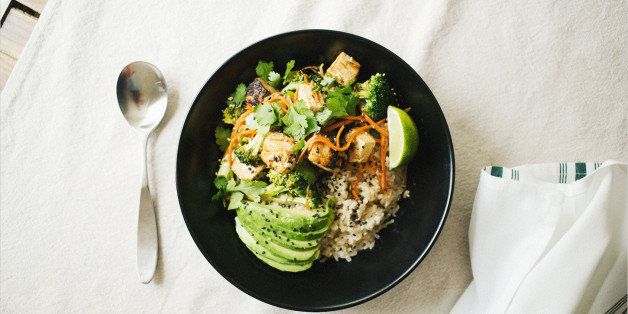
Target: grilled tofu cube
x: 277, y: 152
x: 344, y: 69
x: 321, y: 155
x: 362, y: 146
x: 244, y: 171
x: 255, y: 93
x: 313, y: 100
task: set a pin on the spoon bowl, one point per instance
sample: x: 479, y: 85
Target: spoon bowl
x: 142, y: 95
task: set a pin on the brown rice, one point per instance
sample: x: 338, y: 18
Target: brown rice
x: 357, y: 222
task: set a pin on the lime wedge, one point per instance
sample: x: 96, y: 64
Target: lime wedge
x: 403, y: 137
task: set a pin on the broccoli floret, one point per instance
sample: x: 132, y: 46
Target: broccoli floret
x: 232, y: 113
x: 296, y: 187
x: 249, y: 152
x: 299, y: 183
x: 377, y: 95
x: 246, y: 157
x: 294, y: 182
x: 235, y: 105
x: 315, y: 198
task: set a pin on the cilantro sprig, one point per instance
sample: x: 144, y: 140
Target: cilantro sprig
x: 300, y: 121
x: 265, y: 70
x: 222, y: 137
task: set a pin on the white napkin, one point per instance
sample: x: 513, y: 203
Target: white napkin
x: 549, y: 238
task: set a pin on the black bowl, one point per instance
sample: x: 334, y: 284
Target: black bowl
x: 330, y: 285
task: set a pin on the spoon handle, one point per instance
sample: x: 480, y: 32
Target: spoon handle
x: 147, y: 245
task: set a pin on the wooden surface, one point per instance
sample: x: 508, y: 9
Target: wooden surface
x: 37, y: 5
x: 18, y: 20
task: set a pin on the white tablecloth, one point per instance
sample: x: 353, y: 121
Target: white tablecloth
x: 519, y: 82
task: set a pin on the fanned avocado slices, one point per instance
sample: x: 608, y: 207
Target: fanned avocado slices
x: 269, y: 258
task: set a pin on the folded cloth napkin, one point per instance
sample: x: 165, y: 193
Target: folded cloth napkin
x: 549, y: 238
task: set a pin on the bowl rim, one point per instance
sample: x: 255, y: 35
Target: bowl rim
x: 400, y: 277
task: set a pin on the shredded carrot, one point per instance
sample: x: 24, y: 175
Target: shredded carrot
x: 354, y: 118
x: 336, y: 125
x: 338, y: 135
x: 382, y: 159
x: 233, y: 139
x: 326, y: 141
x: 375, y: 125
x: 371, y: 167
x: 322, y: 139
x: 354, y: 184
x: 306, y: 147
x: 283, y: 101
x: 248, y: 132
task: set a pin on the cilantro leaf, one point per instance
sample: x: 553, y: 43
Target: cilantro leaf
x: 302, y: 108
x: 289, y: 67
x: 299, y: 121
x: 240, y: 94
x: 294, y: 116
x: 221, y: 185
x: 295, y: 122
x: 352, y: 102
x: 265, y: 115
x: 234, y: 105
x: 323, y: 116
x: 341, y: 102
x: 292, y: 76
x: 274, y: 78
x: 263, y: 69
x: 295, y: 130
x: 312, y: 126
x: 222, y: 137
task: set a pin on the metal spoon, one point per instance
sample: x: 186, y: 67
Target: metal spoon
x: 143, y: 97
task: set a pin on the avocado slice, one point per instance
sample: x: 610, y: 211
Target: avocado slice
x: 292, y: 232
x: 285, y: 267
x: 276, y: 236
x: 290, y: 218
x: 269, y: 258
x: 300, y: 228
x: 281, y: 251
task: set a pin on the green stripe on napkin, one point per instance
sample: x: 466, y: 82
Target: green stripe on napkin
x: 564, y: 172
x: 496, y: 171
x: 581, y: 170
x: 617, y: 306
